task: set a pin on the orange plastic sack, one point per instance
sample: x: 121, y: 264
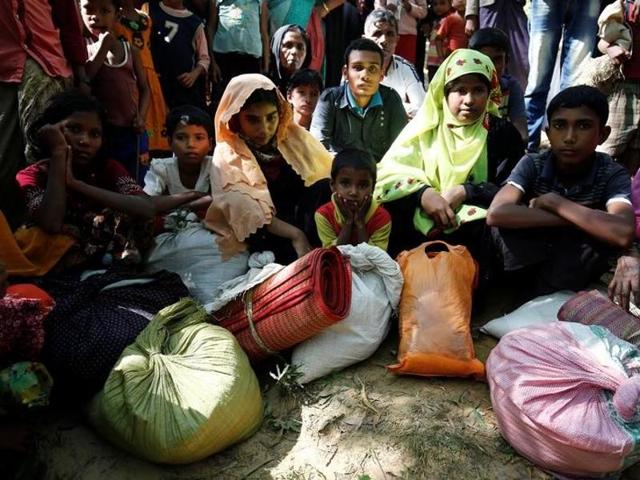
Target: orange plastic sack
x: 435, y: 312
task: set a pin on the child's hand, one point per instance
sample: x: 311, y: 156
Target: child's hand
x: 470, y: 26
x: 300, y: 244
x: 189, y: 78
x: 214, y: 70
x: 71, y: 180
x: 361, y: 212
x: 438, y: 209
x: 392, y: 7
x: 139, y: 124
x: 52, y: 136
x: 108, y: 40
x: 548, y: 201
x: 347, y: 208
x: 618, y: 54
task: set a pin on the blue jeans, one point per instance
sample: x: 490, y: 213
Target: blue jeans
x: 548, y: 21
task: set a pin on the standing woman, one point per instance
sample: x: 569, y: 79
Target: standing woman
x: 290, y: 52
x: 309, y: 14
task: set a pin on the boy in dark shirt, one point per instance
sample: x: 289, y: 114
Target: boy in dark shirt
x: 564, y: 211
x: 360, y: 114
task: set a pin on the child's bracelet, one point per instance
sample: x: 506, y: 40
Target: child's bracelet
x: 326, y: 9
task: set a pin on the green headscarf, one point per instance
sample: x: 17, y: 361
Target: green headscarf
x: 436, y: 149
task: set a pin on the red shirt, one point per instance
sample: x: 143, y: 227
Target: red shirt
x: 28, y: 29
x: 451, y: 30
x: 112, y: 176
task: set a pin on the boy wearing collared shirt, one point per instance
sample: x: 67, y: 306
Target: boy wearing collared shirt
x: 563, y: 212
x: 360, y: 114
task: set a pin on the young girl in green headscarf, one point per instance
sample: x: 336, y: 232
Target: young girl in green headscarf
x: 447, y: 164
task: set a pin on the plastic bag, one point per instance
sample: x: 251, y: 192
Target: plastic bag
x: 543, y: 309
x: 435, y: 312
x: 376, y: 285
x: 183, y: 391
x: 190, y: 250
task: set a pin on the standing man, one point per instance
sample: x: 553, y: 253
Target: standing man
x: 381, y: 26
x: 549, y: 19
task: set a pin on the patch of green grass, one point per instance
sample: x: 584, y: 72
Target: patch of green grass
x: 297, y: 474
x: 437, y: 449
x: 283, y: 424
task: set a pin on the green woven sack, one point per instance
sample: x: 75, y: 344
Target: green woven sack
x: 183, y: 391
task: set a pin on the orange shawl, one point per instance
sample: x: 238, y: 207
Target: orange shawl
x: 30, y: 251
x: 241, y: 201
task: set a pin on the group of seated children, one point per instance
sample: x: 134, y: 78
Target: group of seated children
x: 455, y: 172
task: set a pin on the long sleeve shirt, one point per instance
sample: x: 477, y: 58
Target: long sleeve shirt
x: 340, y: 125
x: 48, y: 32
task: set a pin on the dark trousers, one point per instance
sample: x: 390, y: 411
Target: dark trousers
x: 545, y: 260
x: 231, y: 65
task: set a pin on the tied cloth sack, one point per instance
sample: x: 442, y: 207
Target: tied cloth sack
x: 183, y: 391
x: 95, y: 319
x: 435, y: 312
x: 190, y: 250
x: 292, y: 305
x: 375, y: 293
x: 593, y: 308
x: 23, y: 311
x: 566, y: 397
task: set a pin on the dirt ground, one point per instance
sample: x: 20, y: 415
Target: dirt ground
x: 362, y: 423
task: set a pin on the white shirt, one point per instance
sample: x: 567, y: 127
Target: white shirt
x: 402, y: 77
x: 163, y: 177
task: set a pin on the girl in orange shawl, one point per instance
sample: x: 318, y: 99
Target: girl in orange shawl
x: 265, y: 173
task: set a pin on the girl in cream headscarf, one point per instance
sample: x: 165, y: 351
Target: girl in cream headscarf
x: 447, y: 164
x: 263, y: 169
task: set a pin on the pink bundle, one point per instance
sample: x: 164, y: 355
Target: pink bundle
x: 566, y: 397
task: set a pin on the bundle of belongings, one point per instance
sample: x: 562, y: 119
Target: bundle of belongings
x: 187, y: 248
x: 375, y: 292
x: 291, y: 305
x: 181, y: 392
x: 567, y: 392
x: 95, y: 319
x: 566, y: 397
x: 588, y: 308
x: 603, y: 72
x: 24, y: 382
